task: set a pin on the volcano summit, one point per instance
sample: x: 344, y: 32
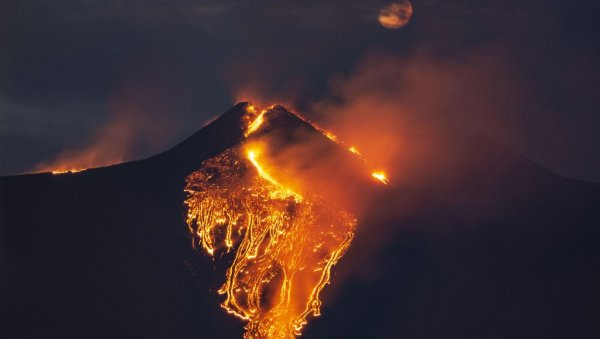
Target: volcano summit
x: 285, y: 235
x: 470, y: 240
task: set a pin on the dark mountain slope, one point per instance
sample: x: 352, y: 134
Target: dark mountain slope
x: 479, y: 243
x: 511, y: 251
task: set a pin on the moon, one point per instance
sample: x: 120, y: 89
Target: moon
x: 396, y: 15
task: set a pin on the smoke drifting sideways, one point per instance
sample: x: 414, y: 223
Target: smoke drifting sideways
x: 139, y: 122
x: 278, y: 200
x: 389, y: 101
x: 430, y: 122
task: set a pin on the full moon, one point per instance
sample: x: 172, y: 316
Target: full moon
x: 396, y: 15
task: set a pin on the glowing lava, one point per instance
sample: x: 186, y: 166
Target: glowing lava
x: 381, y: 176
x: 354, y: 150
x: 76, y: 170
x: 255, y: 124
x: 253, y: 120
x: 284, y: 243
x: 252, y: 157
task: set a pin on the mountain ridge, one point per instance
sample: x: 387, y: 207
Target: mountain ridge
x: 479, y: 242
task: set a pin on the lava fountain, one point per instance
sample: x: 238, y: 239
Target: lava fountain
x: 285, y: 242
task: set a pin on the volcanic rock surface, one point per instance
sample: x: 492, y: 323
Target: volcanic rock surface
x: 481, y: 243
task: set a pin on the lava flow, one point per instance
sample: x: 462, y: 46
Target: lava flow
x: 76, y: 170
x: 284, y: 242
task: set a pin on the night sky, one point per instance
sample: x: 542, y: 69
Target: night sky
x: 143, y: 75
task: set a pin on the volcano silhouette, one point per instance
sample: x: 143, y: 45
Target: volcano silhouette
x: 480, y: 243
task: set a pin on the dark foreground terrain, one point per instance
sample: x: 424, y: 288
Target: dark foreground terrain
x: 480, y: 243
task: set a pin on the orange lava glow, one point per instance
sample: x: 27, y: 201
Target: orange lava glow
x: 285, y: 244
x: 252, y: 155
x: 354, y: 150
x: 282, y: 242
x: 330, y: 135
x: 254, y: 120
x: 381, y: 176
x: 75, y: 170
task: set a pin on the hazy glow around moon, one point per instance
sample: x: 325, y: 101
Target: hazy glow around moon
x: 396, y: 15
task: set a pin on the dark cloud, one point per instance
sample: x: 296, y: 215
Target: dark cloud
x: 531, y: 65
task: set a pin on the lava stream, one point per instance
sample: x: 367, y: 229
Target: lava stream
x: 284, y: 242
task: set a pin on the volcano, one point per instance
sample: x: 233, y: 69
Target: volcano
x: 476, y: 242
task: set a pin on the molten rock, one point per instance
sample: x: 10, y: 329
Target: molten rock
x: 285, y: 243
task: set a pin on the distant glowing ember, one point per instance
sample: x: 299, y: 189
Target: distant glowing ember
x: 330, y: 135
x: 381, y: 176
x: 256, y: 123
x: 354, y: 150
x: 284, y: 243
x: 76, y: 170
x: 251, y: 108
